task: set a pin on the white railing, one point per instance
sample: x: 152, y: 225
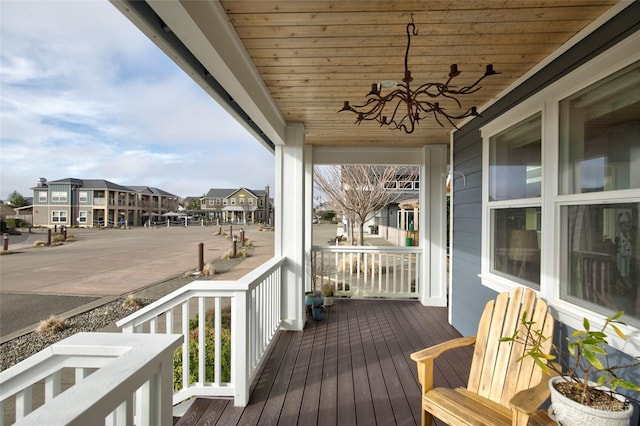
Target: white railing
x: 367, y: 271
x: 228, y: 326
x: 90, y: 379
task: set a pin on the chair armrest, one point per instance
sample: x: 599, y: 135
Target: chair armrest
x: 529, y: 400
x: 437, y: 350
x: 425, y: 357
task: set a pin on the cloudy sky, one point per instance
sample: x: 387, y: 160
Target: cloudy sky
x: 84, y: 94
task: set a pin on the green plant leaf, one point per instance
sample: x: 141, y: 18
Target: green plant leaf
x: 617, y: 315
x: 593, y: 360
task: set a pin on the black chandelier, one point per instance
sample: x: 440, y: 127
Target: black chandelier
x: 411, y: 106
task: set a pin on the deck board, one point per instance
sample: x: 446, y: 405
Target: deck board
x: 351, y: 368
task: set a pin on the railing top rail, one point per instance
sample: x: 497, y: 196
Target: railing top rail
x: 208, y: 288
x: 91, y: 350
x: 367, y: 249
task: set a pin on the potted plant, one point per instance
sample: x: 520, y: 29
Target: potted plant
x: 583, y: 392
x: 327, y: 293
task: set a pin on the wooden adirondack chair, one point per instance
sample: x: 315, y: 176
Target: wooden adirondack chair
x: 501, y: 390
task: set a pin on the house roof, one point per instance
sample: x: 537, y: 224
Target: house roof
x: 224, y: 193
x: 97, y: 184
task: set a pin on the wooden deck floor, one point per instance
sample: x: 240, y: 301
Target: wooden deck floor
x: 352, y: 368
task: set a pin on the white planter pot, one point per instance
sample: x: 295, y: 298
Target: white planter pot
x: 328, y: 300
x: 567, y: 412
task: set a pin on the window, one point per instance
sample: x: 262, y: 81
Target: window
x: 233, y: 201
x: 42, y: 197
x: 241, y: 200
x: 561, y: 193
x: 82, y: 197
x: 211, y: 201
x: 599, y: 156
x: 59, y: 196
x: 250, y: 201
x: 218, y: 201
x: 514, y: 201
x: 82, y: 216
x: 59, y: 216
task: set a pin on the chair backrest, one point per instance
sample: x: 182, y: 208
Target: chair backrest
x: 496, y: 371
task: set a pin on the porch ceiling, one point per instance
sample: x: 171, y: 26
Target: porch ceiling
x: 313, y: 55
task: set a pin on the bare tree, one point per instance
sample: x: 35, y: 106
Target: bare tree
x: 362, y: 190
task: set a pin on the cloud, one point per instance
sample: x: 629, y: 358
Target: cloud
x: 85, y: 94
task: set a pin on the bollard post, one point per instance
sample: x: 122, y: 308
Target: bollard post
x: 241, y: 237
x: 234, y: 249
x: 55, y: 229
x: 231, y: 231
x: 5, y: 241
x: 64, y: 233
x: 200, y: 257
x: 219, y: 230
x: 49, y: 236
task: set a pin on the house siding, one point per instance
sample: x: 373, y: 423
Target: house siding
x: 468, y: 295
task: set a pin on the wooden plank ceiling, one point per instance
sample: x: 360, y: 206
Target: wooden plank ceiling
x: 313, y: 55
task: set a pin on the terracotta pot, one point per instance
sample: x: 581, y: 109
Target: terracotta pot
x: 568, y: 412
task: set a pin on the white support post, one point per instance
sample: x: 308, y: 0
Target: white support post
x: 433, y: 226
x: 240, y: 349
x: 290, y: 219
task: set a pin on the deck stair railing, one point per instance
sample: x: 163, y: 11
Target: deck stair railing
x: 228, y: 326
x: 367, y: 271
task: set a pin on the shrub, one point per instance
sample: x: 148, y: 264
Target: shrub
x: 39, y: 243
x: 209, y: 269
x: 133, y: 301
x: 225, y: 356
x: 51, y: 325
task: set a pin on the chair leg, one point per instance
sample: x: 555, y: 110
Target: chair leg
x: 427, y: 418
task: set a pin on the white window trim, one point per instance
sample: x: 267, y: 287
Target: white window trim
x: 42, y: 197
x: 59, y: 196
x: 547, y: 101
x: 83, y: 215
x: 66, y: 216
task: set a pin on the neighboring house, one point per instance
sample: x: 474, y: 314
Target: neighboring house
x: 237, y: 205
x: 97, y: 202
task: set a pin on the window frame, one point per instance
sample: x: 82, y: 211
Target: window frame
x: 547, y: 101
x: 59, y: 196
x: 58, y: 216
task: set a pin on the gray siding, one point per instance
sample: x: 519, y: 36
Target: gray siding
x: 468, y: 294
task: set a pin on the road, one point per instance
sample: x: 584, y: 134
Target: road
x: 103, y: 264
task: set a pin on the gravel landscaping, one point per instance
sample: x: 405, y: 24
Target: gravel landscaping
x: 20, y: 348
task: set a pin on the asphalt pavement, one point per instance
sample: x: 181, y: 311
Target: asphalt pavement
x: 104, y: 264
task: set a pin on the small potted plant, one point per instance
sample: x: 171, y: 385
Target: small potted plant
x: 583, y: 392
x: 327, y: 293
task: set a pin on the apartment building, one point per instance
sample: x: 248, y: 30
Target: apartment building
x: 97, y: 202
